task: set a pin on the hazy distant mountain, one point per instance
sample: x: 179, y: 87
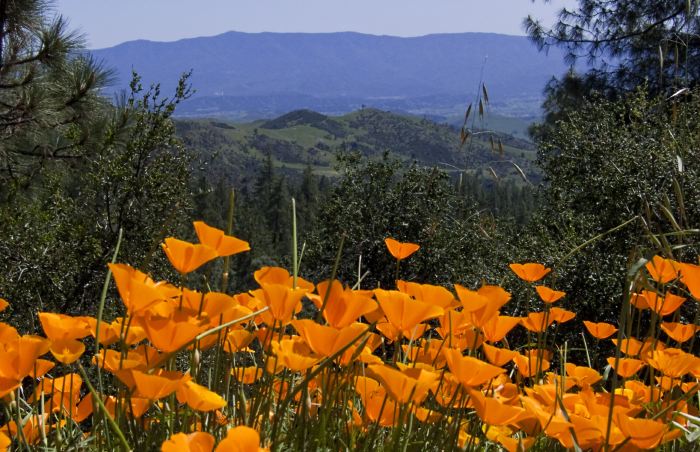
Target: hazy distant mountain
x: 263, y: 74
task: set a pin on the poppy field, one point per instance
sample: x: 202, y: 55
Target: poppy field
x: 331, y: 365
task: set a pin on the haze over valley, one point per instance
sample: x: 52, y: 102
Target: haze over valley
x: 247, y: 76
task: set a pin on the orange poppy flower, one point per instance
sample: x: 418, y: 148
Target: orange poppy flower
x: 548, y: 295
x: 113, y: 361
x: 514, y: 444
x: 326, y: 340
x: 589, y: 435
x: 600, y: 330
x: 449, y: 393
x: 277, y: 275
x: 19, y: 356
x: 668, y: 305
x: 530, y: 272
x: 53, y: 390
x: 343, y: 306
x: 582, y: 375
x: 428, y: 293
x: 639, y: 301
x: 400, y: 250
x: 506, y: 392
x: 465, y: 440
x: 560, y: 315
x: 403, y: 312
x: 554, y: 425
x: 454, y: 322
x: 545, y: 394
x: 31, y: 430
x: 666, y: 384
x: 293, y: 354
x: 110, y: 332
x: 498, y: 356
x: 225, y: 245
x: 690, y: 276
x: 3, y: 305
x: 194, y: 442
x: 673, y: 362
x: 198, y: 397
x: 627, y: 366
x: 64, y: 390
x: 185, y: 256
x: 662, y: 270
x: 662, y: 305
x: 67, y: 351
x: 637, y: 392
x: 157, y: 386
x: 41, y: 368
x: 493, y: 412
x: 138, y: 406
x: 282, y: 300
x: 409, y: 385
x: 498, y: 327
x: 643, y: 433
x: 61, y: 326
x: 630, y: 346
x: 212, y: 304
x: 240, y: 439
x: 469, y: 371
x: 237, y: 340
x: 394, y: 334
x: 172, y: 333
x: 137, y: 291
x: 482, y: 304
x: 527, y: 364
x: 247, y: 375
x: 427, y: 353
x: 468, y: 338
x: 537, y: 322
x: 7, y: 333
x: 377, y: 406
x: 80, y: 411
x: 679, y: 332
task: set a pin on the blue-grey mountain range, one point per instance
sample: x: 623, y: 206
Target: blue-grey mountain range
x: 247, y: 75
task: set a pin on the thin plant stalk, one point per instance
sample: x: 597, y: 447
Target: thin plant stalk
x: 97, y: 398
x: 229, y: 229
x: 295, y: 250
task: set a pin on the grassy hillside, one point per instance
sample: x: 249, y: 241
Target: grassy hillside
x: 301, y: 138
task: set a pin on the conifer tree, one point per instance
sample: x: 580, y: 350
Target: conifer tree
x: 49, y: 92
x: 622, y: 44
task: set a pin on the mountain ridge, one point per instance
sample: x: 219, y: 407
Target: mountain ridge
x: 268, y: 74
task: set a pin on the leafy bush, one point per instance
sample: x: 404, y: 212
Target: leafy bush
x: 628, y: 172
x: 375, y: 199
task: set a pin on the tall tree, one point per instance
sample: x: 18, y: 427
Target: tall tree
x: 75, y: 169
x: 136, y: 179
x: 624, y: 44
x: 50, y: 106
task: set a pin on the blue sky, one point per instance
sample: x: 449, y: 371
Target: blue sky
x: 108, y: 22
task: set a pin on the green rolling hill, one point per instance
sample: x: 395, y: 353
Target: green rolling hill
x: 232, y: 151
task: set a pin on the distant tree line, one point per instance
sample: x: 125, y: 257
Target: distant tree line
x: 368, y: 201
